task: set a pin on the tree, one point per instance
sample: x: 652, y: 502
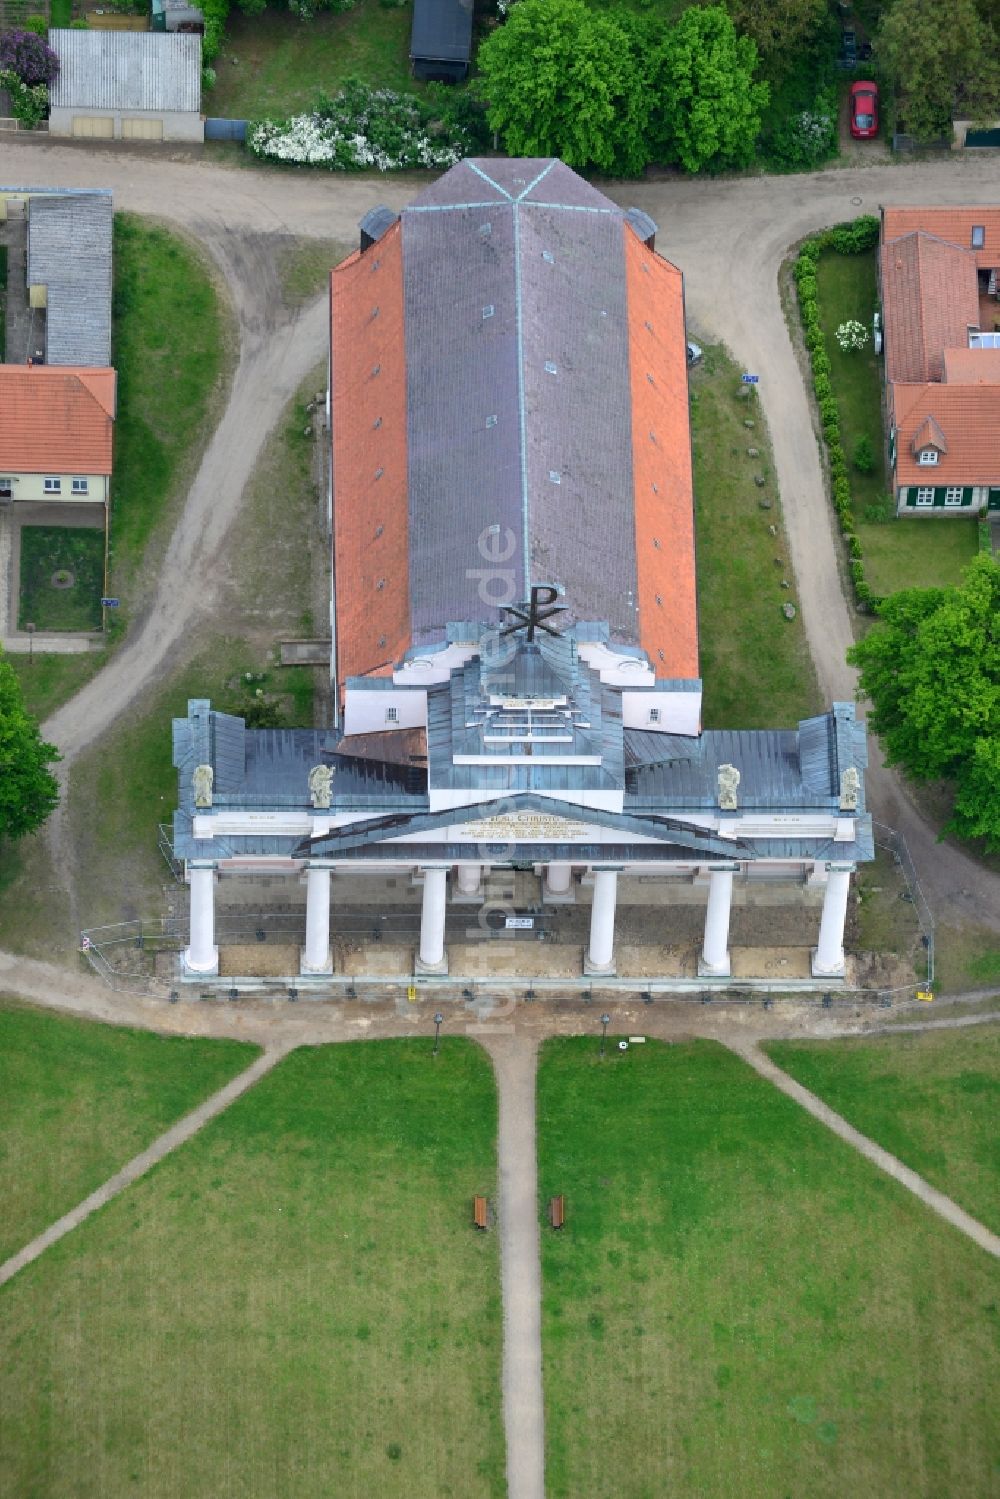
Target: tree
x: 28, y: 789
x: 932, y: 672
x: 29, y: 56
x: 780, y: 29
x: 563, y: 80
x: 941, y: 59
x: 707, y: 111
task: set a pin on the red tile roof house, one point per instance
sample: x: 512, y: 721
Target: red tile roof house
x: 939, y: 273
x: 56, y: 426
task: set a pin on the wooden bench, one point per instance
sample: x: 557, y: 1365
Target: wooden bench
x: 481, y: 1213
x: 557, y: 1211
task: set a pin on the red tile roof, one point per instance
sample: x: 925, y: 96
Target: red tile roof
x: 930, y: 299
x: 56, y: 419
x: 972, y: 366
x: 969, y: 419
x: 952, y: 224
x: 370, y: 497
x: 661, y: 461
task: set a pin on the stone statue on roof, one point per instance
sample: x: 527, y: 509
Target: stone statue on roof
x: 321, y: 785
x: 201, y: 779
x: 729, y: 780
x: 850, y: 788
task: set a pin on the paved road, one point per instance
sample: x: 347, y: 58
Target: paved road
x: 729, y: 237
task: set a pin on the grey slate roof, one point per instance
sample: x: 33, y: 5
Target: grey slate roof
x: 139, y: 71
x: 442, y: 30
x: 69, y: 252
x: 518, y: 393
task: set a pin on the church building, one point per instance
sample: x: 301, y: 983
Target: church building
x: 515, y: 654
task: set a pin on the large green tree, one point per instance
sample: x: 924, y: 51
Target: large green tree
x: 28, y: 789
x: 779, y: 28
x: 931, y: 668
x: 943, y: 61
x: 563, y: 80
x: 707, y: 108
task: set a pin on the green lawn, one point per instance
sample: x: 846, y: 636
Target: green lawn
x: 933, y: 1099
x: 62, y: 577
x: 283, y: 63
x: 739, y: 1304
x: 755, y: 663
x: 294, y: 1303
x: 170, y: 344
x: 48, y: 680
x: 897, y: 553
x: 79, y: 1100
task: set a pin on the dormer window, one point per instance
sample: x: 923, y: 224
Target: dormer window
x: 654, y: 715
x: 928, y: 457
x: 392, y: 715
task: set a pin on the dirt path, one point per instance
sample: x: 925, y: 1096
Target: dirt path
x: 514, y: 1060
x: 178, y: 1134
x: 728, y: 237
x: 890, y: 1164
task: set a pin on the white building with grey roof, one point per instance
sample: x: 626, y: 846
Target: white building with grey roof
x: 127, y: 85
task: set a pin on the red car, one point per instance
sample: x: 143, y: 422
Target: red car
x: 864, y: 110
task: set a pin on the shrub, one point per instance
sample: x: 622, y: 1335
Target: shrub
x: 360, y: 128
x: 854, y: 546
x: 216, y: 13
x: 28, y: 57
x: 807, y: 138
x: 208, y: 77
x: 29, y: 101
x: 864, y: 455
x: 854, y: 238
x: 852, y: 335
x: 37, y: 24
x: 877, y: 515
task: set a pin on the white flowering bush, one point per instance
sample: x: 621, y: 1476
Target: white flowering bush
x: 362, y: 128
x: 852, y: 335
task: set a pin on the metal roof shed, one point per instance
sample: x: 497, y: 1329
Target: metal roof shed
x: 138, y: 85
x: 441, y: 39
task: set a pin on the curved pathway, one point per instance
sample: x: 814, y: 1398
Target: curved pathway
x: 890, y: 1164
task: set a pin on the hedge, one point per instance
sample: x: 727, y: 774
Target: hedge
x: 847, y: 239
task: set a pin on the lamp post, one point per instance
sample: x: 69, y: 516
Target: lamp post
x: 438, y: 1018
x: 605, y: 1022
x: 30, y: 628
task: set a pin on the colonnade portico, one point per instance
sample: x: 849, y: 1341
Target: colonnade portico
x: 201, y: 956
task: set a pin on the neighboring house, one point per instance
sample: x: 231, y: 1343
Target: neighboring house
x: 69, y: 274
x: 56, y: 430
x: 939, y: 274
x: 176, y: 15
x: 129, y: 85
x: 441, y: 39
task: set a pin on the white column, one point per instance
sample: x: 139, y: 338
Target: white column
x: 601, y: 954
x: 202, y: 955
x: 714, y: 961
x: 468, y: 878
x: 431, y: 956
x: 558, y: 880
x: 828, y: 956
x: 316, y: 955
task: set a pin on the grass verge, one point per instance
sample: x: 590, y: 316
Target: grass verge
x: 62, y: 577
x: 897, y: 553
x: 172, y: 370
x: 293, y: 1303
x: 47, y: 680
x: 932, y: 1099
x: 82, y: 1099
x: 755, y: 664
x: 739, y: 1303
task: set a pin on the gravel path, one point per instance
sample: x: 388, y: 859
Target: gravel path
x: 178, y: 1134
x: 890, y: 1164
x: 514, y: 1060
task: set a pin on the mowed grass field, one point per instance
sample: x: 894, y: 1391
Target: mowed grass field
x: 932, y: 1098
x: 79, y: 1100
x: 294, y: 1303
x: 755, y: 663
x: 740, y: 1305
